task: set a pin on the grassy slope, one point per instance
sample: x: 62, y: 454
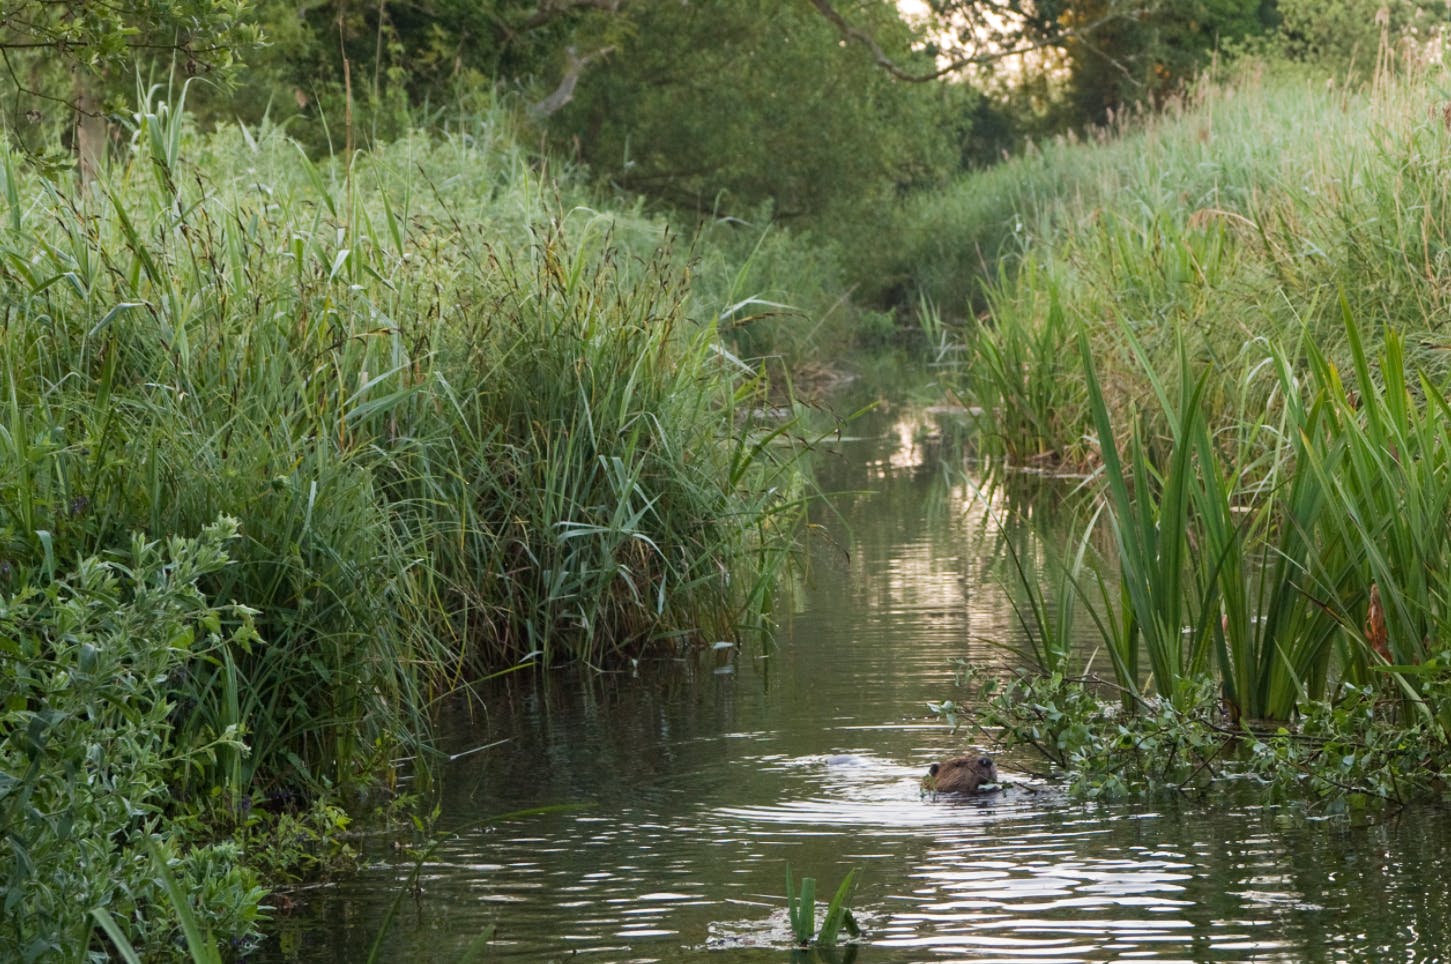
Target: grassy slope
x: 1236, y: 311
x: 1236, y: 220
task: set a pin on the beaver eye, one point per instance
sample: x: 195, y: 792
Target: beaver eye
x: 986, y: 761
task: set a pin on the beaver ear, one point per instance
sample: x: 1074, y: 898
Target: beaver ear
x: 932, y: 770
x: 986, y: 761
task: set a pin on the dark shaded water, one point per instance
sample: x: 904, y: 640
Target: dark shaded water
x: 694, y: 786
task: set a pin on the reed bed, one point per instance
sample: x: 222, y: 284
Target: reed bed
x: 465, y: 422
x: 1283, y: 633
x: 1257, y: 288
x: 1232, y: 223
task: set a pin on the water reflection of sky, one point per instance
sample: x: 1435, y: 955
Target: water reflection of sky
x: 690, y: 792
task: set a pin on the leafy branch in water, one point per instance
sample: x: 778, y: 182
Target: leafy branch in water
x: 1348, y: 753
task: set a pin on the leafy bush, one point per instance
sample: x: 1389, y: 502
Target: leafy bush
x: 463, y: 420
x: 87, y: 748
x: 1343, y: 754
x: 1349, y: 36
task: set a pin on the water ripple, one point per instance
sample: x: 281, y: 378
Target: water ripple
x: 703, y: 789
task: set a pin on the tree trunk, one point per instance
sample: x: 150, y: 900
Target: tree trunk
x: 90, y: 131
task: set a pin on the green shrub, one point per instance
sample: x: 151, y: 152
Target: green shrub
x: 462, y: 421
x: 1349, y: 36
x: 1342, y: 755
x: 87, y: 749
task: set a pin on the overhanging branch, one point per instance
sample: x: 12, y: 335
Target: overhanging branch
x: 1052, y: 38
x: 574, y: 65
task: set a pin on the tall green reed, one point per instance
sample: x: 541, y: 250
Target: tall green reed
x: 1222, y: 572
x: 461, y: 423
x: 1384, y: 464
x: 1022, y: 375
x: 801, y: 911
x: 1283, y: 577
x: 1148, y: 511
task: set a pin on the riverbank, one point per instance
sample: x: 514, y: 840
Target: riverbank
x: 440, y: 417
x: 390, y: 424
x: 1232, y: 317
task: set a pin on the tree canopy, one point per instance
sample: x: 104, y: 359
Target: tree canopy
x: 821, y: 109
x: 100, y: 33
x: 62, y: 59
x: 722, y: 103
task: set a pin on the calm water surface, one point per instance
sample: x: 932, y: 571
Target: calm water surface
x: 693, y: 786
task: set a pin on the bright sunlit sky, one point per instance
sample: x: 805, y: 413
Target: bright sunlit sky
x: 917, y: 10
x: 912, y: 8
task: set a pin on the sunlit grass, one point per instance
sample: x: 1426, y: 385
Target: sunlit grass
x: 1256, y: 282
x: 1236, y: 221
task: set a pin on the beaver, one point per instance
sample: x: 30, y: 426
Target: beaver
x: 961, y: 774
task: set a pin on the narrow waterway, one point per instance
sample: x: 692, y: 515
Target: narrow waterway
x: 670, y: 800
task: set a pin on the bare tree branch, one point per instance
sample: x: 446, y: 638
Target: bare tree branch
x: 574, y: 65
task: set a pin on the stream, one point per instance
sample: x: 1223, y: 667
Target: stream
x: 667, y: 801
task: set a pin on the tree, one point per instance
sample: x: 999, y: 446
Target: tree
x: 1344, y: 36
x: 65, y: 54
x: 1145, y: 58
x: 377, y: 61
x: 965, y: 34
x: 739, y: 102
x: 1116, y: 51
x: 721, y: 105
x: 205, y: 34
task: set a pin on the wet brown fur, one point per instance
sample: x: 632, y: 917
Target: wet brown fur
x: 962, y: 774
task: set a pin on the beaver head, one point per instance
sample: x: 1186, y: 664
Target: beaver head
x: 962, y: 774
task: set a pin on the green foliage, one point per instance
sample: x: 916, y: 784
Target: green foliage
x: 339, y: 74
x: 289, y: 841
x: 460, y: 424
x: 1278, y: 498
x: 769, y: 108
x: 1349, y: 36
x: 1145, y: 56
x: 1285, y: 560
x: 1024, y: 378
x: 98, y: 37
x: 75, y: 64
x: 801, y: 911
x: 766, y: 106
x: 1199, y: 218
x: 90, y: 748
x: 775, y: 292
x: 597, y: 458
x: 801, y: 908
x: 1047, y: 612
x: 1342, y: 755
x: 1381, y: 458
x: 1148, y: 508
x: 1281, y: 561
x: 1224, y: 227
